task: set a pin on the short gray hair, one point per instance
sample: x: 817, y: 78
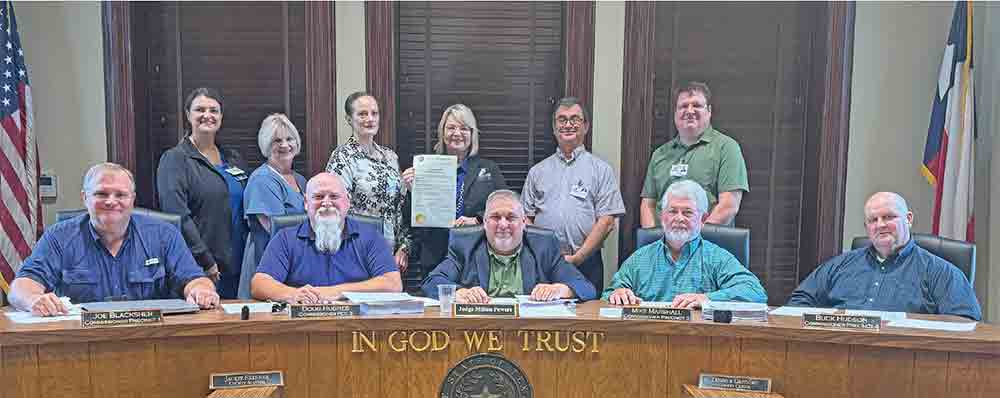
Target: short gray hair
x: 465, y: 116
x: 686, y: 189
x: 568, y: 102
x: 506, y: 194
x: 270, y: 126
x: 95, y: 171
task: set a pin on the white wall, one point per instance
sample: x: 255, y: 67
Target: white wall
x: 897, y: 54
x: 989, y: 130
x: 63, y: 48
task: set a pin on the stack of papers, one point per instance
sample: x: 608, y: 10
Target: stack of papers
x: 386, y: 303
x: 558, y: 308
x: 798, y: 311
x: 742, y: 312
x: 934, y: 325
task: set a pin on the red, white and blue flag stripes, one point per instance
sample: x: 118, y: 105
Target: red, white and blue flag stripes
x: 949, y: 154
x: 20, y: 210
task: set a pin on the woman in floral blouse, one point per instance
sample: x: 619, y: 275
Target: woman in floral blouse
x: 371, y: 173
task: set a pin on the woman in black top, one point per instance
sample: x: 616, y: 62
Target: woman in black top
x: 458, y: 135
x: 203, y: 183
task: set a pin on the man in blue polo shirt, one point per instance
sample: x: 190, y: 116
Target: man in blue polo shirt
x: 327, y: 255
x: 109, y: 254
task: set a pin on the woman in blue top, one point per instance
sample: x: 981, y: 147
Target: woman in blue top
x: 203, y: 183
x: 274, y: 188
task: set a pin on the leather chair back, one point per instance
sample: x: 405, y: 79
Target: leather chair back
x: 169, y: 218
x: 961, y: 254
x: 733, y: 239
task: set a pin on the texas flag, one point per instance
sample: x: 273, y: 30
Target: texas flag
x: 949, y: 155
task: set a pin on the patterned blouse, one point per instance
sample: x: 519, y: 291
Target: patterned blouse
x: 374, y: 182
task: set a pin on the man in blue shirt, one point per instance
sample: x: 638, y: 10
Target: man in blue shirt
x: 683, y: 268
x: 893, y: 274
x: 328, y: 255
x: 109, y: 254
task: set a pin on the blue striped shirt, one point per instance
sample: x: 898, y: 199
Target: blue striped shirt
x: 703, y: 267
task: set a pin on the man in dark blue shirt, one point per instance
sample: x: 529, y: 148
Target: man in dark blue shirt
x: 109, y: 254
x: 326, y: 256
x: 893, y: 274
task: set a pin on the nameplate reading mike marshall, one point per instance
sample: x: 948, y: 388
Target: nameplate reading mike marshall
x: 296, y: 311
x: 221, y: 381
x: 734, y: 383
x: 656, y: 313
x: 100, y: 319
x: 842, y: 321
x: 500, y: 310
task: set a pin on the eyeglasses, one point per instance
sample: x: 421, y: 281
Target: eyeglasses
x: 573, y: 121
x: 456, y: 129
x: 511, y: 219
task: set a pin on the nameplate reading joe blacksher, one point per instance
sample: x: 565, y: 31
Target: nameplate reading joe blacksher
x: 221, y: 381
x: 100, y: 319
x: 842, y: 321
x: 499, y: 310
x: 734, y: 383
x: 656, y: 313
x: 296, y: 311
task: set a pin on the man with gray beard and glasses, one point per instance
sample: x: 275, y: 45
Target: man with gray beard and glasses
x: 327, y: 255
x: 682, y: 268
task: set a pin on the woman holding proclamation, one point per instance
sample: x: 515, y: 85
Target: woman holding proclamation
x: 458, y: 135
x: 203, y: 183
x: 275, y: 189
x: 371, y: 173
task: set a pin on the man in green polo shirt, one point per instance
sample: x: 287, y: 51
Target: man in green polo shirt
x: 699, y: 153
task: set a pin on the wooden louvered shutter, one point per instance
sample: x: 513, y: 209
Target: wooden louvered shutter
x: 503, y: 60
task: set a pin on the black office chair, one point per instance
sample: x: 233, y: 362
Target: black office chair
x: 279, y: 222
x: 961, y: 254
x: 169, y: 218
x: 733, y: 239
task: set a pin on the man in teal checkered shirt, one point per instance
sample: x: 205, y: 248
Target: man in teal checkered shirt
x: 682, y: 268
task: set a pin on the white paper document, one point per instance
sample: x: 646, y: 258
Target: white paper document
x: 28, y: 317
x: 526, y: 299
x: 434, y: 184
x: 798, y: 311
x: 428, y: 302
x: 367, y: 297
x: 559, y: 310
x: 237, y: 308
x: 885, y: 315
x: 934, y: 325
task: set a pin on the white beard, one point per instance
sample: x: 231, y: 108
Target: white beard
x: 678, y: 235
x: 329, y: 229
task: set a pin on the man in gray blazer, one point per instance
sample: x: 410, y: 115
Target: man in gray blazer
x: 503, y: 259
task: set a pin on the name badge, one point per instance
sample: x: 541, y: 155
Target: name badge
x: 679, y: 170
x: 485, y: 174
x: 235, y: 171
x: 152, y: 261
x: 578, y: 190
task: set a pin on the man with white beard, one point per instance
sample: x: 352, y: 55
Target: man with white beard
x: 682, y: 268
x: 503, y: 260
x: 327, y: 255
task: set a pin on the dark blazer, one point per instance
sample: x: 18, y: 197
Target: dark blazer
x: 468, y: 264
x: 189, y: 185
x: 482, y: 177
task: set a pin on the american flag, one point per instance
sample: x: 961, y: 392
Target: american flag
x: 20, y: 210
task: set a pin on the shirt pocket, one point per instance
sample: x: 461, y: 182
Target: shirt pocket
x: 80, y: 285
x: 147, y: 282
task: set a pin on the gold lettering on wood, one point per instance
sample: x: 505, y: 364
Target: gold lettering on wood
x: 542, y: 337
x: 474, y: 339
x: 479, y: 340
x: 524, y: 340
x: 361, y: 339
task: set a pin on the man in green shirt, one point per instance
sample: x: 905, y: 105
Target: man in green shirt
x: 505, y: 257
x: 699, y: 153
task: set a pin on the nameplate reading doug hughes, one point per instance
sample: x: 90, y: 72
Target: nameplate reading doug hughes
x: 100, y: 319
x: 296, y: 311
x: 656, y: 313
x: 842, y: 321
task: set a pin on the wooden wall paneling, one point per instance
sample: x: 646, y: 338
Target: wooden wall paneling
x: 689, y: 356
x: 764, y: 358
x: 427, y: 369
x: 656, y: 363
x: 64, y: 370
x: 537, y: 365
x: 832, y: 166
x: 615, y: 373
x: 881, y: 372
x: 287, y: 352
x: 816, y: 370
x: 118, y: 89
x: 973, y: 375
x: 124, y: 369
x: 381, y: 60
x: 930, y: 374
x: 637, y: 102
x: 355, y: 369
x: 395, y: 368
x: 20, y: 371
x: 322, y: 364
x: 726, y: 355
x: 320, y: 87
x: 184, y: 364
x: 578, y: 52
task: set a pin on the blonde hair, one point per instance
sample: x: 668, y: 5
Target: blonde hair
x: 465, y: 116
x: 269, y: 127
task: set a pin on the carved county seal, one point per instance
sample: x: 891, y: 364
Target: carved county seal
x: 486, y: 376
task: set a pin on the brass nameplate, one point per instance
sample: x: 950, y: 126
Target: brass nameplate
x: 296, y: 311
x: 657, y: 313
x: 734, y: 383
x: 246, y: 379
x: 842, y: 321
x: 100, y: 319
x: 501, y: 310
